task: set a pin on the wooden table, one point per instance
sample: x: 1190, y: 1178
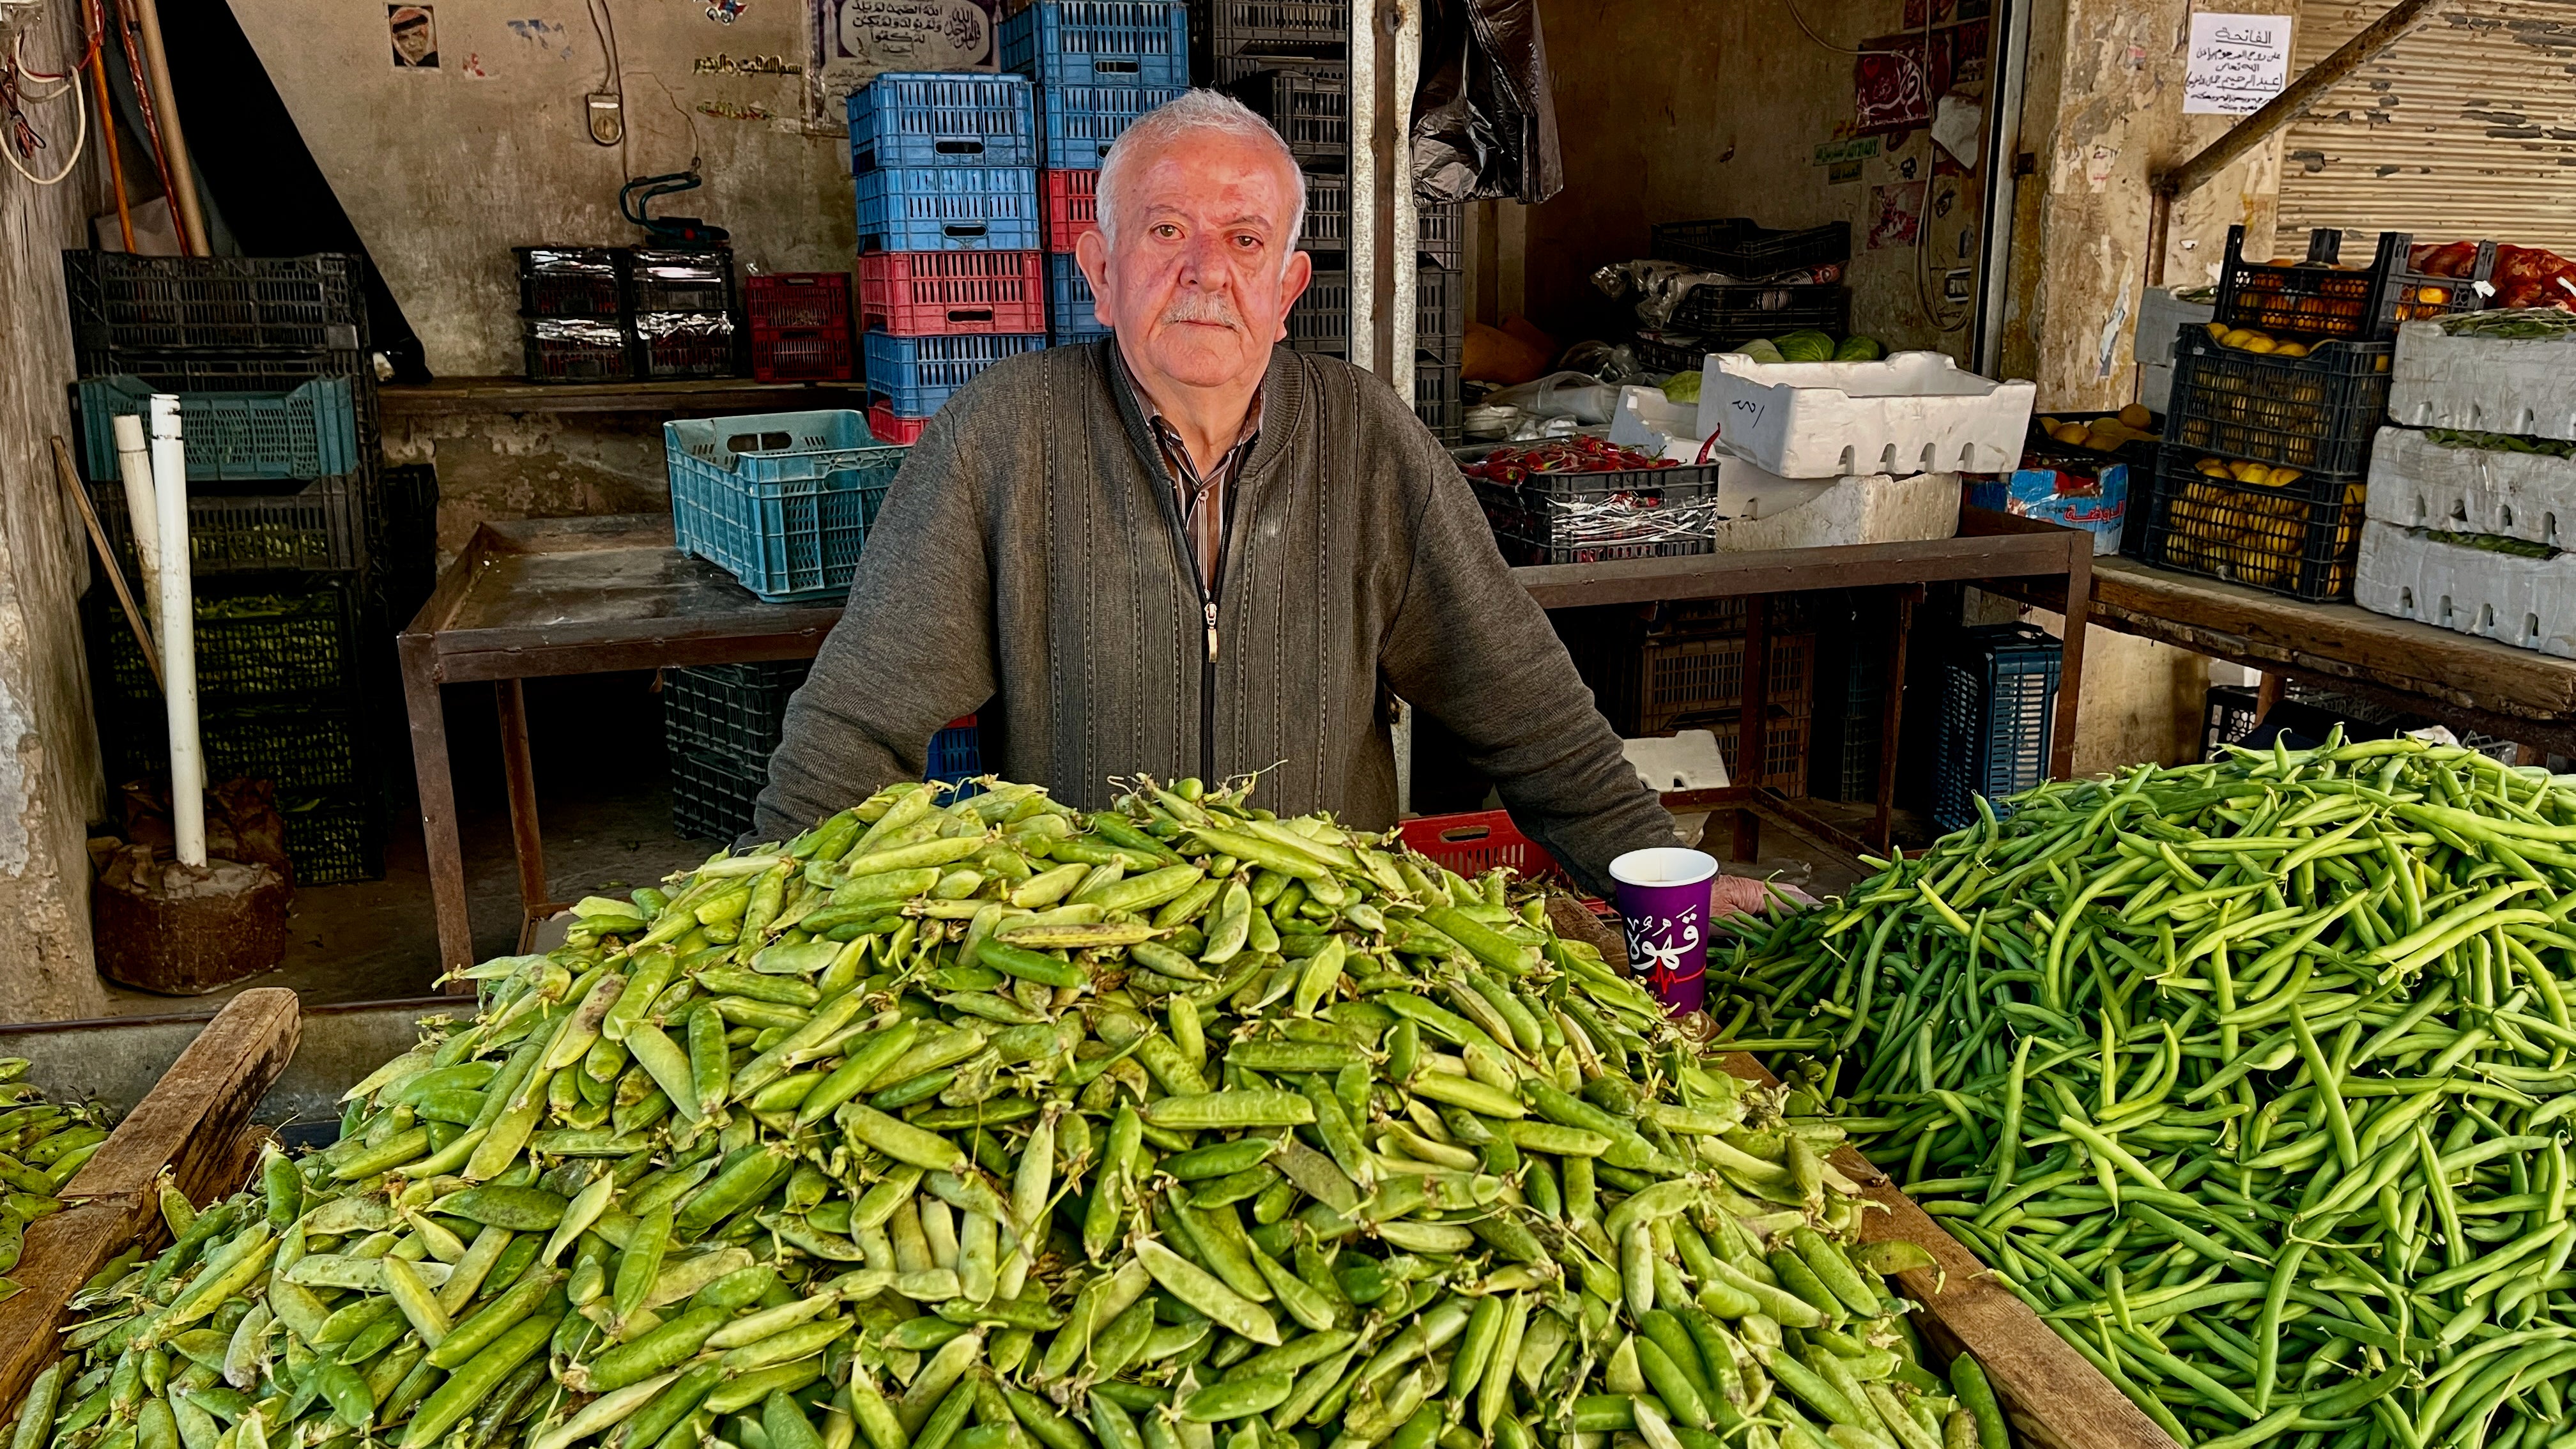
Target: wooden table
x: 590, y: 595
x: 2464, y: 681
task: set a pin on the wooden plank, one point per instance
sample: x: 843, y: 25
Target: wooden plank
x: 450, y: 396
x: 2053, y: 1396
x: 1788, y: 570
x: 192, y: 1123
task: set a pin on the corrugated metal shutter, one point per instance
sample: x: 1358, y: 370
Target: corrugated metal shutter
x: 2467, y: 128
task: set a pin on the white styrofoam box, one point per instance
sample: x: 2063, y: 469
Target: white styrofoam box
x: 2529, y: 603
x: 2418, y: 483
x: 1913, y: 412
x: 2484, y: 384
x: 1685, y: 761
x: 1763, y: 510
x: 1647, y: 419
x: 2160, y: 315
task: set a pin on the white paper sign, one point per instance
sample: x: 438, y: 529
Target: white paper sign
x: 2237, y: 63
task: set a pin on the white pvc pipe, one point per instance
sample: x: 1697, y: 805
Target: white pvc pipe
x: 178, y: 633
x: 142, y: 508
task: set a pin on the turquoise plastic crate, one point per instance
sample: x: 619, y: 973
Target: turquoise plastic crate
x: 917, y: 374
x: 782, y: 501
x: 1100, y: 42
x: 310, y: 432
x: 948, y: 208
x: 1080, y: 121
x: 941, y: 118
x: 1070, y: 317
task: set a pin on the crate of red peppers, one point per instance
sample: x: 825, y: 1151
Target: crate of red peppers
x: 1583, y: 499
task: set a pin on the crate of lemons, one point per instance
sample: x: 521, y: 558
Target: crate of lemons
x: 2252, y: 523
x: 2108, y: 433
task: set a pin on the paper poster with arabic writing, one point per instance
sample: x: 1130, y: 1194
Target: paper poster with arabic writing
x: 855, y: 39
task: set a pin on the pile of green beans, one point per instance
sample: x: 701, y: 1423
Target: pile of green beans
x: 981, y: 1123
x: 2252, y: 1077
x: 42, y: 1144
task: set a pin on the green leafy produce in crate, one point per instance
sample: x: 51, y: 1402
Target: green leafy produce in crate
x: 2252, y: 1077
x: 987, y: 1124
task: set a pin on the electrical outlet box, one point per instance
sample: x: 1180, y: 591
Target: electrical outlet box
x: 607, y: 116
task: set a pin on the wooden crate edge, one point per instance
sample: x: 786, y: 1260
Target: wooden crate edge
x: 2054, y: 1397
x: 192, y: 1122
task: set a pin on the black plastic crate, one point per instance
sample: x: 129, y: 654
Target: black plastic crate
x: 334, y: 837
x: 571, y: 281
x: 2317, y: 412
x: 577, y: 349
x: 1311, y: 112
x: 1551, y: 518
x: 124, y: 303
x: 2229, y: 714
x: 733, y: 709
x: 1439, y: 315
x: 324, y: 525
x: 1321, y: 320
x: 1729, y: 314
x: 686, y: 344
x: 1737, y: 247
x: 712, y: 795
x: 1669, y: 351
x: 1230, y: 39
x: 2298, y: 538
x: 666, y: 279
x: 1998, y: 712
x: 2317, y: 298
x: 1328, y: 213
x: 1851, y: 694
x: 1646, y: 684
x: 324, y: 743
x: 407, y: 557
x: 1438, y: 401
x: 253, y: 644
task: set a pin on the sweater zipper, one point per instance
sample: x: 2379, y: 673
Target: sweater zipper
x: 1207, y: 693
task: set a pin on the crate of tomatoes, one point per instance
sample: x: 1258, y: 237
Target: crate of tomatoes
x: 1583, y: 499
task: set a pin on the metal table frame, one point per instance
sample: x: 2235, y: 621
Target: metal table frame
x: 447, y: 644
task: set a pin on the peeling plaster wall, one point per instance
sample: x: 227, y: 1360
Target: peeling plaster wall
x: 49, y: 770
x: 443, y: 171
x: 494, y: 467
x: 1671, y: 114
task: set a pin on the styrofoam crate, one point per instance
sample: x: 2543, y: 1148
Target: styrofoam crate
x: 2529, y: 603
x: 2161, y: 314
x: 1913, y: 412
x: 2484, y: 384
x: 2416, y: 482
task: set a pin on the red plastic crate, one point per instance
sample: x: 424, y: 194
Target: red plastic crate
x: 885, y: 427
x: 952, y: 293
x: 1071, y: 207
x: 1478, y: 841
x: 801, y: 354
x: 800, y: 327
x: 799, y: 299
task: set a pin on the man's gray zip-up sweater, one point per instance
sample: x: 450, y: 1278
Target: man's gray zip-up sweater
x: 1028, y: 566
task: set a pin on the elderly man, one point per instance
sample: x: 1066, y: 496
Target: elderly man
x: 1187, y: 550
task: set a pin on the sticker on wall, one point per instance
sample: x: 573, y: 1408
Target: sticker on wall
x: 414, y: 30
x: 1894, y: 79
x: 852, y: 40
x: 543, y: 37
x: 1896, y: 214
x: 726, y: 12
x: 1842, y: 173
x: 1851, y: 150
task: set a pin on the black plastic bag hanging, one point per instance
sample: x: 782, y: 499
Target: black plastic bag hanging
x: 1484, y: 113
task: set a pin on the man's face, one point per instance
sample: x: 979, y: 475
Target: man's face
x: 413, y: 42
x: 1195, y: 285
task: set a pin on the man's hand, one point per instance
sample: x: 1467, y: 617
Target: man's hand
x: 1742, y: 895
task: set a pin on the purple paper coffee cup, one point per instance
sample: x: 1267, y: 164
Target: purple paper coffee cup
x: 1663, y: 899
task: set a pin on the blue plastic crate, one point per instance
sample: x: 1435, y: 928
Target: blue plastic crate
x: 782, y: 501
x: 1998, y: 713
x: 1100, y: 42
x: 309, y: 432
x: 1069, y: 302
x: 956, y: 753
x: 916, y: 374
x: 948, y: 208
x: 1079, y: 121
x: 941, y: 118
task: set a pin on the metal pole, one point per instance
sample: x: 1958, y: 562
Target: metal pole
x: 183, y: 177
x: 2294, y: 101
x: 2003, y: 146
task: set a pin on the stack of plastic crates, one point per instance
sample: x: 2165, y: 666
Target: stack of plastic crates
x: 951, y: 276
x: 721, y: 722
x: 291, y: 559
x: 1661, y: 672
x: 800, y: 327
x: 1851, y: 696
x: 1094, y: 67
x: 574, y: 322
x: 2274, y: 406
x: 1998, y: 713
x: 684, y: 312
x: 782, y: 501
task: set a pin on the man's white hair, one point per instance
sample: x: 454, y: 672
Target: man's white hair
x: 1183, y: 115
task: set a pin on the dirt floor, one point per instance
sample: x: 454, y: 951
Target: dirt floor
x: 604, y: 802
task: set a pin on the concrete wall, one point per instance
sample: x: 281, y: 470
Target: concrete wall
x: 1676, y: 113
x: 49, y: 770
x: 443, y: 171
